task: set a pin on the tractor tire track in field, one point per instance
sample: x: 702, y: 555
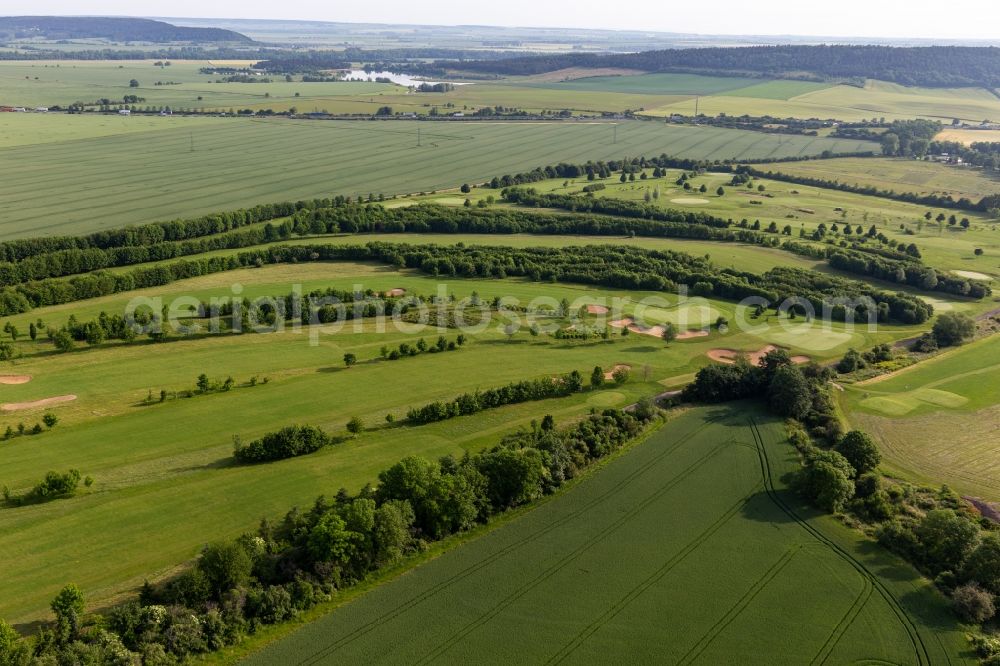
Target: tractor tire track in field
x: 404, y: 607
x: 845, y: 623
x: 639, y: 589
x: 919, y: 647
x: 514, y: 596
x: 741, y: 605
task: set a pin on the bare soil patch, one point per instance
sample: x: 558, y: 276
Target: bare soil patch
x: 729, y: 355
x: 45, y: 402
x: 396, y: 292
x: 973, y: 275
x: 611, y: 374
x: 15, y: 379
x: 655, y: 331
x: 596, y: 309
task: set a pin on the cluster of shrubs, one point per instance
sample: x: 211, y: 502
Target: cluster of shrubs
x: 55, y: 485
x: 795, y: 392
x: 854, y: 360
x: 405, y: 349
x: 286, y: 568
x: 50, y: 420
x: 288, y: 442
x: 951, y: 329
x: 513, y: 393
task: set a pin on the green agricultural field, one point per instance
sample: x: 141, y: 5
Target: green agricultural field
x: 937, y: 421
x: 179, y: 170
x: 164, y: 484
x: 51, y: 83
x: 687, y: 549
x: 657, y: 84
x: 877, y: 99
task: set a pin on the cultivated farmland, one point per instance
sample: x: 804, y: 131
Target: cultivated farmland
x: 178, y: 170
x: 687, y: 549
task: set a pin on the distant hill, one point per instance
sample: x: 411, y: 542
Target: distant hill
x: 114, y: 29
x: 915, y: 66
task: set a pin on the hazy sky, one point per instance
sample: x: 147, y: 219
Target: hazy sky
x: 954, y: 19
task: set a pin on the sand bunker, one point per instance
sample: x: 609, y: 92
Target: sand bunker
x: 596, y: 309
x: 396, y: 292
x: 15, y: 379
x: 973, y: 275
x: 46, y: 402
x: 689, y: 201
x: 611, y: 375
x: 729, y: 355
x: 655, y: 331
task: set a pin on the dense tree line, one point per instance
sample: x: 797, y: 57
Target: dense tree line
x: 511, y: 394
x: 914, y: 66
x: 790, y: 391
x: 287, y: 567
x: 615, y: 266
x: 610, y: 206
x: 341, y: 216
x: 878, y: 262
x: 137, y: 240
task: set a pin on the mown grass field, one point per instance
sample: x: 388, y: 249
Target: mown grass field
x: 687, y: 549
x: 900, y: 175
x: 939, y: 421
x: 179, y: 169
x: 164, y: 484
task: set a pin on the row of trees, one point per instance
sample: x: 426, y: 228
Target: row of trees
x: 513, y: 393
x: 616, y: 266
x: 286, y: 568
x: 946, y: 66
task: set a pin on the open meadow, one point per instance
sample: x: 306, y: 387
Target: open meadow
x: 179, y: 169
x: 687, y: 549
x: 939, y: 421
x: 153, y: 464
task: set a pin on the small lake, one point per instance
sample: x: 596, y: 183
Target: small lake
x: 399, y: 79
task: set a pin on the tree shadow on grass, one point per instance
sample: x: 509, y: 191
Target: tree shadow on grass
x: 642, y: 350
x: 221, y: 463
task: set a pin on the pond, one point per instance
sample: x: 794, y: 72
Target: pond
x: 399, y: 79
